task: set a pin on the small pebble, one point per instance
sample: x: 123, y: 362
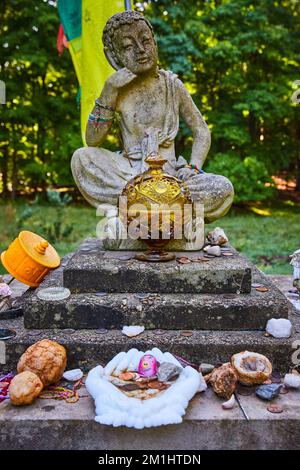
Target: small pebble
x: 206, y: 368
x: 268, y: 392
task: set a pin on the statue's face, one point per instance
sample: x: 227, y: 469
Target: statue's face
x: 136, y: 48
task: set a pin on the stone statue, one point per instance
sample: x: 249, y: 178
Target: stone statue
x: 149, y: 101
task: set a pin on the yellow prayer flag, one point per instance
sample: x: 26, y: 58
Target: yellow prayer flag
x: 94, y: 66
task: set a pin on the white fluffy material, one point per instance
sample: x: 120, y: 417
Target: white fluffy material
x: 113, y: 407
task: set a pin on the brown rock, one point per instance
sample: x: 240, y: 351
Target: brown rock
x: 224, y: 380
x: 25, y: 388
x: 47, y: 359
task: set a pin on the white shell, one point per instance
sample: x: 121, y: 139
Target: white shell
x: 132, y: 330
x: 279, y: 327
x: 117, y: 409
x: 217, y: 237
x: 228, y: 405
x: 213, y: 250
x: 292, y: 380
x: 73, y: 375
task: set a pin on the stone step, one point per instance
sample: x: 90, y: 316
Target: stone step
x: 165, y: 311
x: 52, y: 424
x: 87, y: 348
x: 92, y: 269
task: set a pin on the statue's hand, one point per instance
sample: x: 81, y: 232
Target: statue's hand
x: 185, y: 173
x: 120, y: 78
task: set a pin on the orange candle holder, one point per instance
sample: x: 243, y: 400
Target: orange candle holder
x: 29, y: 258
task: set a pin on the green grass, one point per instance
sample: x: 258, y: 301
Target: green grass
x: 266, y: 233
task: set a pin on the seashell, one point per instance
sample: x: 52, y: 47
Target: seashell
x: 228, y: 405
x: 168, y: 371
x: 217, y: 237
x: 279, y: 327
x: 224, y: 380
x: 292, y: 381
x: 73, y: 375
x: 268, y: 392
x: 213, y: 250
x: 132, y: 331
x: 252, y: 368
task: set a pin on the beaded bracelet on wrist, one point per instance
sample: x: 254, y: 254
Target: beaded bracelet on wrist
x: 96, y: 119
x: 194, y: 167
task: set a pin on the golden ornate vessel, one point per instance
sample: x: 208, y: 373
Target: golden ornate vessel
x: 155, y: 207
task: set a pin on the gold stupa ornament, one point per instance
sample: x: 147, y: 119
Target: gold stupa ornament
x: 155, y: 209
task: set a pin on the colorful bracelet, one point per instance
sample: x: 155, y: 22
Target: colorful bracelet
x: 96, y: 119
x: 104, y: 106
x: 194, y: 167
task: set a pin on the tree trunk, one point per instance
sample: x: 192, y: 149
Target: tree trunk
x: 4, y: 171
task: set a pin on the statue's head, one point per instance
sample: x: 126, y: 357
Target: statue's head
x: 129, y: 42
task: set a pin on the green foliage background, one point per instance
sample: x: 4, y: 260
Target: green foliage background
x: 238, y: 58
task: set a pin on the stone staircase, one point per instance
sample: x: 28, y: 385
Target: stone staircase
x: 213, y: 300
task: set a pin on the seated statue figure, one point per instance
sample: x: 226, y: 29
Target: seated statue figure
x: 149, y: 101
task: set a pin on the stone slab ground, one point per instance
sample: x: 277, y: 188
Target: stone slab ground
x: 52, y: 424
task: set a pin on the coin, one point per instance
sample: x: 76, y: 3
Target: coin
x: 160, y: 332
x: 157, y: 385
x: 275, y: 408
x: 124, y: 257
x: 283, y: 390
x: 100, y: 294
x: 227, y: 253
x: 262, y: 289
x: 127, y: 376
x: 255, y: 286
x: 245, y: 391
x: 275, y: 377
x: 186, y: 333
x: 229, y: 296
x: 201, y: 259
x: 101, y: 331
x: 183, y: 260
x: 33, y: 333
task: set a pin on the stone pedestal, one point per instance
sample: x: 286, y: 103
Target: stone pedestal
x: 215, y: 300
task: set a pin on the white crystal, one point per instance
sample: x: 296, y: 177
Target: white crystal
x: 279, y: 327
x: 73, y: 375
x: 133, y: 330
x: 292, y: 380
